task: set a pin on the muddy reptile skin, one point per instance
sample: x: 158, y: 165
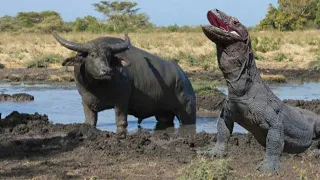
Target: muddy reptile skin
x: 251, y: 103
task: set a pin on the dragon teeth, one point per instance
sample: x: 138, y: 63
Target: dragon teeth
x: 235, y: 33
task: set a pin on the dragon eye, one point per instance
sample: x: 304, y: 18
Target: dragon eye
x: 235, y: 21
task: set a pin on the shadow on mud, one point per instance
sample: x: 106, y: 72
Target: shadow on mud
x: 26, y: 148
x: 29, y: 135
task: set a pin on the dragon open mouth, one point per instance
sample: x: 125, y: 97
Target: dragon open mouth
x: 216, y: 21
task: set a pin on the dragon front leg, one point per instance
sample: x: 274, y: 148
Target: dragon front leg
x: 274, y: 144
x: 225, y: 127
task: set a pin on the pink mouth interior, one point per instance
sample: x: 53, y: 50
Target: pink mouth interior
x: 217, y: 22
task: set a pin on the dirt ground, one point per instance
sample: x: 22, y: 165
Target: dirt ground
x: 33, y: 148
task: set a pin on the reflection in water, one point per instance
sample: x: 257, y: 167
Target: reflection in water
x: 62, y: 104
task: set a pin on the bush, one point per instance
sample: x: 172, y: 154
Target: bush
x: 265, y: 44
x: 280, y: 57
x: 8, y: 24
x: 315, y: 65
x: 44, y: 61
x: 208, y: 170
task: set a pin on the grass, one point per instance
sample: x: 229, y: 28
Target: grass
x: 193, y: 51
x: 203, y: 169
x: 202, y: 87
x: 62, y: 78
x: 278, y: 78
x: 315, y: 65
x: 44, y: 61
x: 280, y: 57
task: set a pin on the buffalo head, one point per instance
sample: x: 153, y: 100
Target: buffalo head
x: 97, y: 56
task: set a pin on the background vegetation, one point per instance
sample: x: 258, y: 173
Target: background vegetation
x: 185, y: 44
x: 120, y: 16
x: 292, y: 15
x: 191, y: 50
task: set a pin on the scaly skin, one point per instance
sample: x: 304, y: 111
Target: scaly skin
x: 251, y: 103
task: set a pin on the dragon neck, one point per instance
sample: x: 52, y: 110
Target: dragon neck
x: 248, y: 74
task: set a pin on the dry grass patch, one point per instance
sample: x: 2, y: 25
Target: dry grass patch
x: 193, y: 51
x: 278, y: 78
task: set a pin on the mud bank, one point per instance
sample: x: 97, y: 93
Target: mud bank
x: 211, y: 104
x: 290, y: 75
x: 32, y: 147
x: 20, y: 97
x: 66, y: 75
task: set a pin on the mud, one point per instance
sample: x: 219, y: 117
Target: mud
x: 290, y: 75
x: 36, y: 75
x: 66, y: 75
x: 19, y: 97
x: 32, y: 147
x: 214, y: 102
x: 209, y: 105
x: 313, y: 105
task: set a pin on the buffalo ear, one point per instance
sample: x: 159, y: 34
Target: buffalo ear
x: 72, y: 61
x: 124, y: 62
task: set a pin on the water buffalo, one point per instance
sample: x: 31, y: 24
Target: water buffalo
x: 111, y: 73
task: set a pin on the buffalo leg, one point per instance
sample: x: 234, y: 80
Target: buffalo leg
x: 165, y: 118
x: 121, y: 120
x: 187, y: 124
x: 91, y: 116
x: 225, y: 127
x: 187, y: 113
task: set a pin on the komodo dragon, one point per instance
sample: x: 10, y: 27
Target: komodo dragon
x: 251, y: 103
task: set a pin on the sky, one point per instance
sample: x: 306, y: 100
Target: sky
x: 161, y: 12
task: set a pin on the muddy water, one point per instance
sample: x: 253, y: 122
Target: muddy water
x: 62, y: 104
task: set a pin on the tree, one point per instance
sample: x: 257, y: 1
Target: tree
x: 50, y: 23
x: 270, y: 21
x: 8, y: 23
x: 44, y: 21
x: 290, y: 15
x: 317, y: 15
x: 122, y: 15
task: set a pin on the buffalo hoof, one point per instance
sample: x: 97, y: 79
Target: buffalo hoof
x: 121, y: 133
x: 121, y: 136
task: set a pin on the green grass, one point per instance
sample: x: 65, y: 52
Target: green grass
x: 204, y: 87
x: 265, y: 44
x: 314, y: 65
x: 44, y: 61
x: 280, y: 57
x: 203, y: 169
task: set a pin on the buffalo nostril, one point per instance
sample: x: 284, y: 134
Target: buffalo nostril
x: 106, y: 71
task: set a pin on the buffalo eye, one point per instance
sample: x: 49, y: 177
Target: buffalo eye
x: 92, y: 55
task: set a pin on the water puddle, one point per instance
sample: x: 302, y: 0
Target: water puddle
x: 62, y: 104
